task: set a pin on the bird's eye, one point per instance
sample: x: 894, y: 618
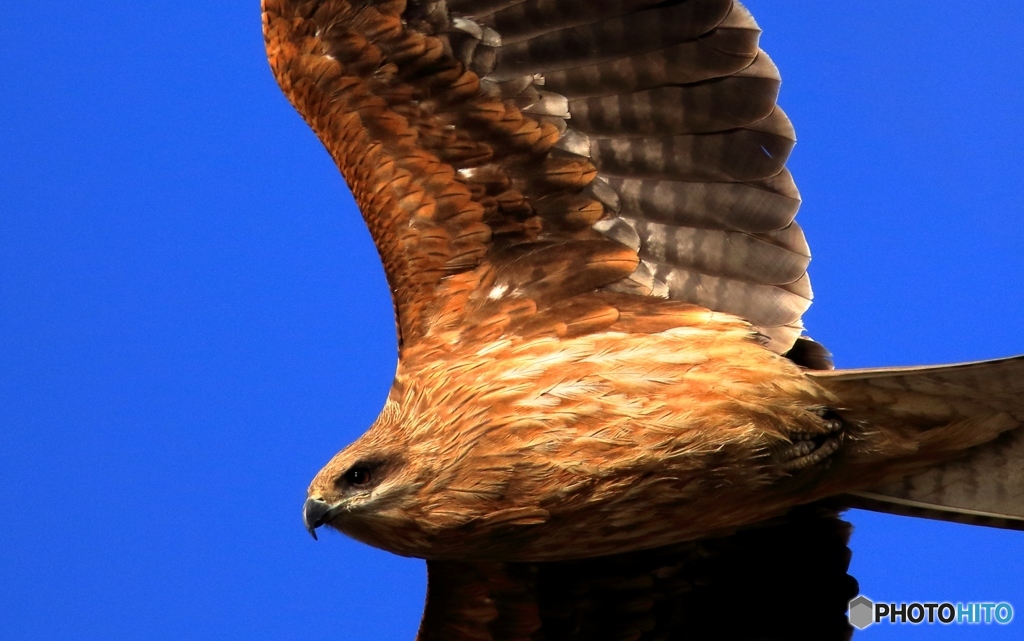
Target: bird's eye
x: 358, y: 476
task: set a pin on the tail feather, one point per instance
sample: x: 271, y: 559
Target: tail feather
x: 944, y: 442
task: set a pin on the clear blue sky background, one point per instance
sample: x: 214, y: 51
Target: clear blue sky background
x: 193, y: 318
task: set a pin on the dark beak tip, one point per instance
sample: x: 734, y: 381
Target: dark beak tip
x: 314, y: 514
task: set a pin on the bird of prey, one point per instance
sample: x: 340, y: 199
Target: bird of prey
x: 606, y: 423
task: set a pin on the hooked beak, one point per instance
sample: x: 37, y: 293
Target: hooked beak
x: 315, y: 513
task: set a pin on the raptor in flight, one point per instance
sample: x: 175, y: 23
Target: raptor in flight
x: 605, y: 422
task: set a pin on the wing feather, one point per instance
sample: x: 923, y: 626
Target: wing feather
x: 756, y: 206
x: 723, y: 52
x: 611, y: 37
x: 716, y: 105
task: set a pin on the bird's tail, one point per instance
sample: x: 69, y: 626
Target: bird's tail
x: 944, y: 442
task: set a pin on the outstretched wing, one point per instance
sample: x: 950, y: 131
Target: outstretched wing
x: 785, y: 581
x: 544, y: 149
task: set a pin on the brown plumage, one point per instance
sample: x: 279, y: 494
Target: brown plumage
x: 586, y: 222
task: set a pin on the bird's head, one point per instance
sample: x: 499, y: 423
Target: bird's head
x: 429, y: 482
x: 363, y: 488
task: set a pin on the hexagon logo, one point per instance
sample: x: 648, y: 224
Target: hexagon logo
x: 861, y: 613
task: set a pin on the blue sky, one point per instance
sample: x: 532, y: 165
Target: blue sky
x: 193, y: 318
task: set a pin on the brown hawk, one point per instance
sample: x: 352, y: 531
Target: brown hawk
x: 605, y: 422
